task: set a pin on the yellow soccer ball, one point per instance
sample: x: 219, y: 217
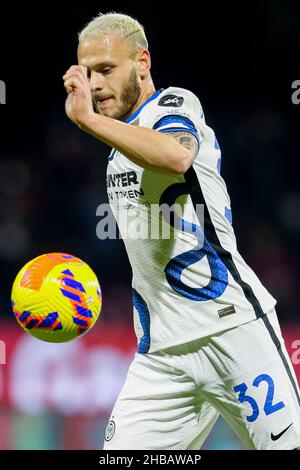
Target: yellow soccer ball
x: 56, y: 297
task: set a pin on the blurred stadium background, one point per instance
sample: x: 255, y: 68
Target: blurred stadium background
x: 240, y: 63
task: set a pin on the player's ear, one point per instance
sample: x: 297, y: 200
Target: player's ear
x: 144, y: 62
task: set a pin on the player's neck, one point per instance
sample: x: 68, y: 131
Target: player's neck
x: 146, y: 92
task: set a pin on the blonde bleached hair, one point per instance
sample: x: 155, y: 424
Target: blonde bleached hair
x: 128, y: 28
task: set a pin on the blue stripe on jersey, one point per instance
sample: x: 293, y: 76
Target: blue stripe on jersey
x: 111, y: 156
x: 228, y: 214
x: 175, y: 119
x: 137, y: 112
x: 142, y: 309
x: 217, y: 146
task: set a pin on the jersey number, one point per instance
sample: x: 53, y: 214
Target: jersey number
x: 269, y: 406
x: 173, y: 271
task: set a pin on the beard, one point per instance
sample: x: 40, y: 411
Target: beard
x: 129, y: 96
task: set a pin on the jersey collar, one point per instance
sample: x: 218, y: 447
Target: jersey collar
x: 137, y: 112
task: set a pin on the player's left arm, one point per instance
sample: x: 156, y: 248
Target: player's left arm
x: 148, y: 148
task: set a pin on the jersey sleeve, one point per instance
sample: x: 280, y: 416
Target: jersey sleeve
x: 177, y: 110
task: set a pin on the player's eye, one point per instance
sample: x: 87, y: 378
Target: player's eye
x: 107, y: 70
x: 89, y: 73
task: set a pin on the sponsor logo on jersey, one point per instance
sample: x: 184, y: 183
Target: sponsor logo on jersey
x: 115, y: 182
x: 171, y: 100
x: 121, y: 179
x: 110, y: 430
x: 275, y: 437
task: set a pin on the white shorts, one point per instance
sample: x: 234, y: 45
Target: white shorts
x: 172, y: 398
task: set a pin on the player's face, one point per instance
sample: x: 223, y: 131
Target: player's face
x: 113, y: 71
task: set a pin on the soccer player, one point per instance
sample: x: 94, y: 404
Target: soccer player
x: 209, y: 341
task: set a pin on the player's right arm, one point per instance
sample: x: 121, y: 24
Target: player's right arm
x: 187, y: 140
x: 145, y: 147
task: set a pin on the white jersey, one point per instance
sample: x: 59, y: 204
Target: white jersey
x: 189, y: 280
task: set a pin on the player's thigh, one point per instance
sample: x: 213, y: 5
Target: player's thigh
x: 158, y: 409
x: 258, y: 393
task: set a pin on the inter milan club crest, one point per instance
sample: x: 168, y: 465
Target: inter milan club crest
x: 110, y: 430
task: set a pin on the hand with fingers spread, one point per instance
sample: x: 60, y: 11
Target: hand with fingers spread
x: 79, y: 106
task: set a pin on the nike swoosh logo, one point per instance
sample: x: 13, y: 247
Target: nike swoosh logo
x: 274, y: 437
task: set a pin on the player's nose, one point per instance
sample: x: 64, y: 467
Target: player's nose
x: 96, y: 82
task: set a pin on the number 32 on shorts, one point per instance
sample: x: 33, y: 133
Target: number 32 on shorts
x: 269, y: 406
